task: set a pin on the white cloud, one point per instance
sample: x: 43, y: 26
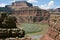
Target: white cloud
x: 2, y: 5
x: 12, y: 1
x: 31, y: 1
x: 57, y: 7
x: 51, y: 3
x: 47, y: 6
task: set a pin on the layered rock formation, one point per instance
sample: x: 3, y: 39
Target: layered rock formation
x: 53, y: 32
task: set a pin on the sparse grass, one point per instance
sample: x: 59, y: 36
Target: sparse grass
x: 33, y: 27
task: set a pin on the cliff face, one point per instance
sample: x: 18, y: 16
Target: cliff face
x: 53, y: 32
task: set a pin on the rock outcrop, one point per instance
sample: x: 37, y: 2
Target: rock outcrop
x: 53, y: 32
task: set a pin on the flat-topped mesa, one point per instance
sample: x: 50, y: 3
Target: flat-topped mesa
x: 20, y: 4
x: 26, y: 12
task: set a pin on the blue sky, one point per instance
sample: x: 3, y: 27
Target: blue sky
x: 44, y: 4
